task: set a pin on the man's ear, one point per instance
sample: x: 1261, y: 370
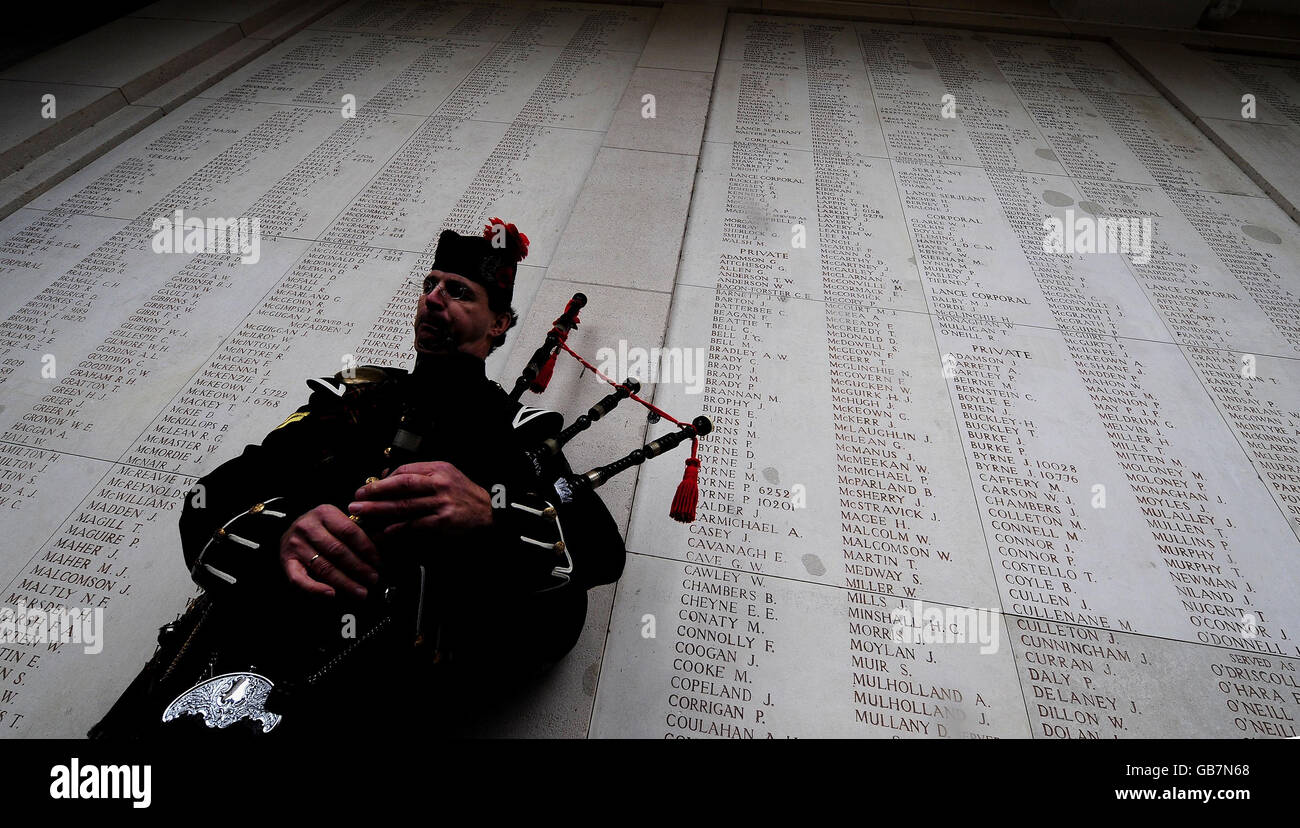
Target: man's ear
x: 501, y: 324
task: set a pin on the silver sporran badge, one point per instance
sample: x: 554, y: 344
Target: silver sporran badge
x: 225, y: 699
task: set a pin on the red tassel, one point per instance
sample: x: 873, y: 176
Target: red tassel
x: 688, y: 492
x: 543, y: 378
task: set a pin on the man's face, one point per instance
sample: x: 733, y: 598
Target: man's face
x: 453, y: 315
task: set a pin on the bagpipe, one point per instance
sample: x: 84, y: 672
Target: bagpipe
x: 536, y: 376
x: 199, y: 672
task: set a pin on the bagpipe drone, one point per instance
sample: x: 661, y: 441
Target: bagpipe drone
x: 537, y: 375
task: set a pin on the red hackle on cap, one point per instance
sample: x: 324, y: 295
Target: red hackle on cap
x: 516, y: 242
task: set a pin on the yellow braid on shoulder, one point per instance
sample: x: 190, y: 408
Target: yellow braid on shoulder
x: 292, y: 418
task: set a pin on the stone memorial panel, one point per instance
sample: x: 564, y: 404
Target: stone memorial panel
x: 129, y: 369
x: 1001, y: 348
x: 928, y: 405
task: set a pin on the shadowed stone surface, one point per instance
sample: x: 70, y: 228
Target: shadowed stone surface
x: 1077, y: 467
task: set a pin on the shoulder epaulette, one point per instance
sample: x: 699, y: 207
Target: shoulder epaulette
x: 329, y: 384
x: 360, y: 377
x: 369, y: 374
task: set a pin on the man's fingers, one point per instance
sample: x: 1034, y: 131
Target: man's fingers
x: 386, y: 511
x: 337, y: 564
x: 431, y: 467
x: 298, y: 576
x: 346, y: 530
x: 323, y: 570
x: 435, y: 521
x: 397, y: 486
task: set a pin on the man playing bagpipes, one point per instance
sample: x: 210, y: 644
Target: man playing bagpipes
x: 398, y: 529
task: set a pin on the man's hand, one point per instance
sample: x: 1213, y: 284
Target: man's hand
x: 323, y: 550
x: 424, y: 497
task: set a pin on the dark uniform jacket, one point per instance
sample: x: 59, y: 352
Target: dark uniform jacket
x: 505, y: 600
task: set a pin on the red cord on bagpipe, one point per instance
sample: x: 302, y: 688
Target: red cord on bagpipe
x: 560, y: 330
x: 688, y: 491
x: 537, y: 376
